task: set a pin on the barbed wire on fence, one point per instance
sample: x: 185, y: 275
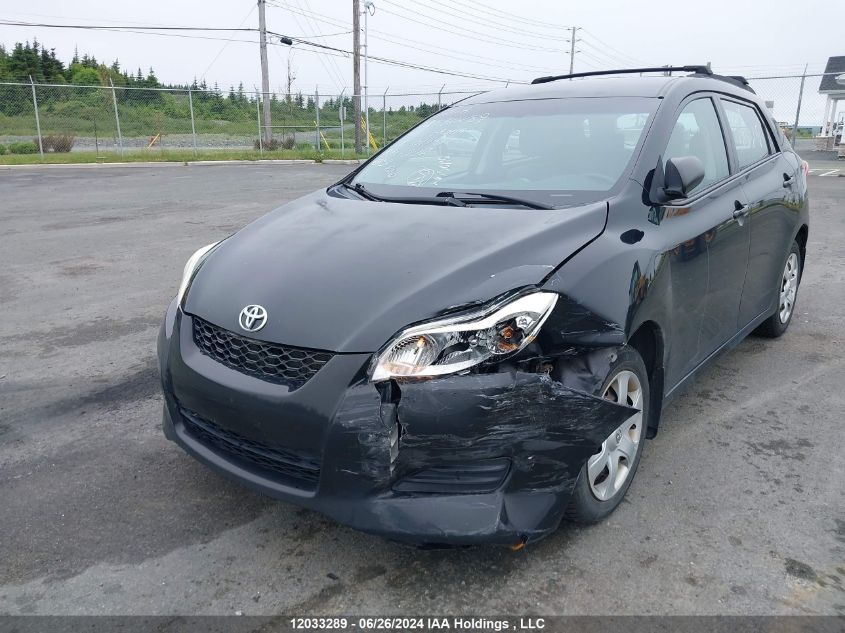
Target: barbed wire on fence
x: 118, y: 119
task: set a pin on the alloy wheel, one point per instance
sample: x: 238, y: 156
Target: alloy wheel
x: 788, y: 288
x: 609, y: 469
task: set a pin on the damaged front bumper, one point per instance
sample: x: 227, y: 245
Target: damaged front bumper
x: 465, y: 459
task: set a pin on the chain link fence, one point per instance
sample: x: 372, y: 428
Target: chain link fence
x: 116, y: 120
x: 109, y: 120
x: 806, y: 116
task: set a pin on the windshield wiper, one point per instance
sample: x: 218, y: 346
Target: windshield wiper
x: 456, y: 199
x: 361, y: 191
x: 475, y: 197
x: 365, y: 193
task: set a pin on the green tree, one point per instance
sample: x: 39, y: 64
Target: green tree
x: 25, y: 62
x: 84, y: 76
x: 5, y: 75
x: 52, y: 69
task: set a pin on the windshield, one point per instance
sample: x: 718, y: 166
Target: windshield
x: 555, y: 151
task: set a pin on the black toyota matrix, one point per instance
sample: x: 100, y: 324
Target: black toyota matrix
x: 455, y: 347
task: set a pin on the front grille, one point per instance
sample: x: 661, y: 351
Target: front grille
x: 299, y: 470
x: 280, y: 364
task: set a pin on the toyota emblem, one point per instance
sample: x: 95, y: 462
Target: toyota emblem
x: 253, y: 318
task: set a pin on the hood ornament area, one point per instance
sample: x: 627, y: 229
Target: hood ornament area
x: 253, y: 318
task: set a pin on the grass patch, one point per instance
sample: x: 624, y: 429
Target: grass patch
x: 180, y: 156
x: 89, y: 120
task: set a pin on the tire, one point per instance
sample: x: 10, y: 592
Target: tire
x: 592, y: 502
x: 776, y: 324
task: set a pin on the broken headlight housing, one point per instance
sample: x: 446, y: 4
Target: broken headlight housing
x: 450, y: 345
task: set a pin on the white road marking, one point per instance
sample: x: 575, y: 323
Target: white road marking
x: 829, y: 173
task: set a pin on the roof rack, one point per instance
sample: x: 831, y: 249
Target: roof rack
x: 739, y: 80
x: 701, y: 70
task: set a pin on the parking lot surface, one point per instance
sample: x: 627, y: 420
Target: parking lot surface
x: 737, y: 508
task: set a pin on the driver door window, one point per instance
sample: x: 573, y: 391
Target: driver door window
x: 697, y: 133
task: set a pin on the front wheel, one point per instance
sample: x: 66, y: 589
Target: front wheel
x: 607, y: 475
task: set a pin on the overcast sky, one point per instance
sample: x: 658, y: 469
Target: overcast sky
x: 492, y: 38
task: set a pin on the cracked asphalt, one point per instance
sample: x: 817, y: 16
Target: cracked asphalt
x: 737, y: 507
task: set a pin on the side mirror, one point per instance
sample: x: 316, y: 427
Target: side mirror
x: 682, y: 175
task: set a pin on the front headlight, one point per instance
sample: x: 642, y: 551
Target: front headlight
x: 190, y: 268
x: 454, y: 344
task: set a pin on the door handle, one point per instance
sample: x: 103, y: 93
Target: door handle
x: 788, y: 180
x: 740, y: 210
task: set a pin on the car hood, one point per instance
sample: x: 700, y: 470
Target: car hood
x: 346, y: 275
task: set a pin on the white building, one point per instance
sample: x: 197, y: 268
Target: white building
x: 833, y: 85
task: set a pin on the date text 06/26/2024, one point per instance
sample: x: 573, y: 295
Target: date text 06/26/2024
x: 417, y: 623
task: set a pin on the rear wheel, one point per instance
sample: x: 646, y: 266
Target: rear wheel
x: 606, y: 476
x: 776, y: 325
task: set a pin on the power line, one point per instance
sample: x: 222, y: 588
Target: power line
x: 516, y: 18
x: 422, y: 46
x: 148, y: 30
x: 178, y: 35
x: 584, y: 62
x: 223, y: 48
x: 463, y: 33
x: 106, y: 27
x: 334, y: 64
x: 328, y: 64
x: 440, y: 53
x: 402, y: 64
x: 294, y: 39
x: 329, y: 34
x: 324, y: 63
x: 603, y: 57
x: 484, y: 20
x: 65, y: 17
x: 601, y: 62
x: 606, y: 45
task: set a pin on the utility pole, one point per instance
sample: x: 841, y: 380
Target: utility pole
x: 265, y: 74
x: 368, y: 7
x: 572, y: 49
x: 356, y: 72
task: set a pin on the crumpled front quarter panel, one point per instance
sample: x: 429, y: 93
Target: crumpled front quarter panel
x: 547, y: 429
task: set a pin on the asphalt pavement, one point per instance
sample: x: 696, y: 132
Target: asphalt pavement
x: 737, y: 507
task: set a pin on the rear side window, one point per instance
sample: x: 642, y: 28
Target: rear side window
x: 749, y: 138
x: 697, y: 133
